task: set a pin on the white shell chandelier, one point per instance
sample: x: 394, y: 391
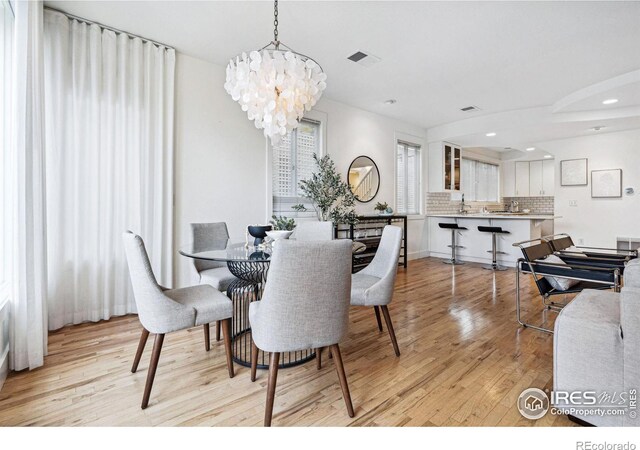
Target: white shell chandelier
x: 275, y: 85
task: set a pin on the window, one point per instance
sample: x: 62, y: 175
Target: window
x: 6, y: 35
x: 408, y: 178
x: 293, y: 162
x: 480, y: 181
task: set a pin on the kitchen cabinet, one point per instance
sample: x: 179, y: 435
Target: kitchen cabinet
x: 508, y: 177
x: 452, y: 160
x: 535, y: 178
x: 528, y: 178
x: 548, y: 177
x: 541, y: 178
x: 522, y: 179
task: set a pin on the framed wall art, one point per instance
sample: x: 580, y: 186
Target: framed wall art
x: 606, y: 183
x: 573, y: 172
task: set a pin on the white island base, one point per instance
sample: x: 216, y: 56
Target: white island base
x: 477, y: 244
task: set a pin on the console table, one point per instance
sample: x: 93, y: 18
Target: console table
x: 369, y: 231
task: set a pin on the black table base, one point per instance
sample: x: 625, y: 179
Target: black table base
x: 246, y: 289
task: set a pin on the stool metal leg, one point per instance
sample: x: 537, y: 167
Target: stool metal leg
x: 453, y: 261
x: 494, y: 255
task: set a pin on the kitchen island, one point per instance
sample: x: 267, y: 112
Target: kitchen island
x: 476, y: 244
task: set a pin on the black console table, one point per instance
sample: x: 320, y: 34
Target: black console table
x: 369, y: 231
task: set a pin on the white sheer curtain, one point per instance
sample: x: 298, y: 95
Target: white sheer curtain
x: 25, y: 182
x: 109, y: 147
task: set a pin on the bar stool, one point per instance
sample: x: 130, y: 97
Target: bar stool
x: 494, y: 247
x: 455, y: 228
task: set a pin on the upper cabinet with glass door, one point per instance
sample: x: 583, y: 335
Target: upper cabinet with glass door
x: 452, y: 159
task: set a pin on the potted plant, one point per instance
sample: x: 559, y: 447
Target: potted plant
x: 383, y: 209
x: 330, y: 196
x: 282, y: 227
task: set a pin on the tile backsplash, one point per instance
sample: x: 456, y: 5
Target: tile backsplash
x: 537, y: 205
x: 440, y: 202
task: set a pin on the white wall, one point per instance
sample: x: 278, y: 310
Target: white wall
x: 599, y: 221
x: 221, y: 157
x: 352, y: 132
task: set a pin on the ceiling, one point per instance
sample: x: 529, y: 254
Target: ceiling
x: 436, y: 57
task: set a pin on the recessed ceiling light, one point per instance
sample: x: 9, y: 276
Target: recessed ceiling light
x: 598, y: 128
x: 547, y: 156
x: 530, y: 149
x: 391, y: 101
x: 610, y: 101
x: 490, y: 134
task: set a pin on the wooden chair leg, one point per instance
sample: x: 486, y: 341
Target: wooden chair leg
x: 274, y: 360
x: 392, y: 334
x: 226, y: 330
x: 143, y: 341
x: 218, y: 331
x: 207, y: 337
x: 155, y: 357
x: 377, y: 310
x: 329, y: 353
x: 342, y: 376
x: 319, y: 358
x: 254, y: 360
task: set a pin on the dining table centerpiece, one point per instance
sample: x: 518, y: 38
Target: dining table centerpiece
x: 282, y: 227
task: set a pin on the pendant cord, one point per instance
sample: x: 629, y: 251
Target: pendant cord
x: 275, y: 23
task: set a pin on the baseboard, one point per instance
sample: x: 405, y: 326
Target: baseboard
x: 506, y: 263
x: 417, y: 255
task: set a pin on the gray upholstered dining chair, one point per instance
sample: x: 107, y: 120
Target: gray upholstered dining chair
x: 313, y: 231
x: 211, y: 236
x: 305, y: 305
x: 373, y: 285
x: 163, y: 310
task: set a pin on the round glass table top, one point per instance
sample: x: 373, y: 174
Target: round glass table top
x: 227, y: 250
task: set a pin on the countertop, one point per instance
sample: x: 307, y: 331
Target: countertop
x: 497, y: 216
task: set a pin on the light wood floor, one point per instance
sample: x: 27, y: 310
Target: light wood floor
x: 464, y: 362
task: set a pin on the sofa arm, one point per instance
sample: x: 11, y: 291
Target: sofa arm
x: 632, y: 274
x: 630, y: 325
x: 588, y: 349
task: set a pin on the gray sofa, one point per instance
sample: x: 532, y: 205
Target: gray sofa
x: 597, y: 346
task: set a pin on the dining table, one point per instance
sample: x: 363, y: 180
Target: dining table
x: 250, y: 265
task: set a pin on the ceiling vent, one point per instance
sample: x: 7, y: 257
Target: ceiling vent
x: 470, y: 108
x: 363, y: 58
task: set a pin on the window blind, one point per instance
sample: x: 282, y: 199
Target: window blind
x: 408, y: 178
x: 293, y: 162
x: 480, y: 181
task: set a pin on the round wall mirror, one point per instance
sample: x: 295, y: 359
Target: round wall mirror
x: 364, y: 178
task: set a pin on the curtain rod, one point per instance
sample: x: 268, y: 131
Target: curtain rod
x: 115, y: 30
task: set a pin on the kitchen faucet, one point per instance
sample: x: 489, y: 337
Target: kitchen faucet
x: 463, y: 206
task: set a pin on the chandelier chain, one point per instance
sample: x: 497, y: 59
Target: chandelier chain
x: 275, y: 22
